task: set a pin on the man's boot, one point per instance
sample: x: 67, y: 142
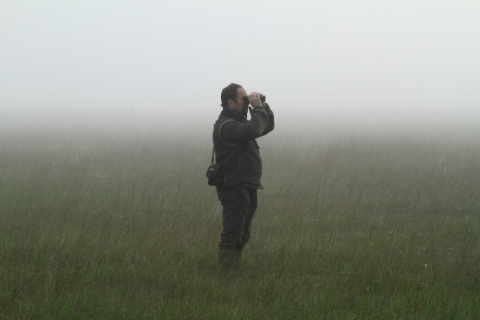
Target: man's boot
x: 229, y: 260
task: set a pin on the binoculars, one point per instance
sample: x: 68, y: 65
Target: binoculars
x: 246, y: 101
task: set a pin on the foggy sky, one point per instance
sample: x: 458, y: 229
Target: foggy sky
x: 176, y: 56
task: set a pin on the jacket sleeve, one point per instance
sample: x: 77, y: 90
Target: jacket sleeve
x: 237, y: 132
x: 271, y: 120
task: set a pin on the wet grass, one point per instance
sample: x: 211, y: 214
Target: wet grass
x: 116, y: 225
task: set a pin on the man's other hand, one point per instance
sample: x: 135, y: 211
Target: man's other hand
x: 254, y: 99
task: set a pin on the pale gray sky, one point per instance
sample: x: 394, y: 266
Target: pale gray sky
x: 178, y: 55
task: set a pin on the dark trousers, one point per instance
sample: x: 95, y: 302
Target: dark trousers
x: 238, y: 207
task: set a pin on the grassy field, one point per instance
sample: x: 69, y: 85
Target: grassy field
x: 112, y: 224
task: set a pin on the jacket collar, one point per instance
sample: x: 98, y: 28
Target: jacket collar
x: 237, y: 115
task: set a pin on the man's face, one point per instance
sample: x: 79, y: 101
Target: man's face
x: 238, y: 105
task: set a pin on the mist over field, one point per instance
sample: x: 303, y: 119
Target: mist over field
x: 298, y: 117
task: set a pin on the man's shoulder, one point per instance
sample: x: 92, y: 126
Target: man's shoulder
x: 224, y: 124
x: 222, y: 119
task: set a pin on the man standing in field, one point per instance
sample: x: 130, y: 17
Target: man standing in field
x: 236, y: 148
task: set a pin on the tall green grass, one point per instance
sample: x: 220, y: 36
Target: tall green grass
x: 109, y: 224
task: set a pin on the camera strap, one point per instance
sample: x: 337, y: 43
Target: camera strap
x: 216, y: 172
x: 225, y: 142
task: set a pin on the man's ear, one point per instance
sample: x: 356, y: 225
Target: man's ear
x: 231, y: 103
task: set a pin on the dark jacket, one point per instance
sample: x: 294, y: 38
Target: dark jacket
x: 236, y: 148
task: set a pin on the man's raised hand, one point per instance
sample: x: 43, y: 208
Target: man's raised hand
x: 254, y: 99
